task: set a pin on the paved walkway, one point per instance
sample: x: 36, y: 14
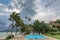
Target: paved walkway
x: 22, y: 38
x: 50, y: 38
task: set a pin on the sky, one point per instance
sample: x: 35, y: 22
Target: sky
x: 43, y: 10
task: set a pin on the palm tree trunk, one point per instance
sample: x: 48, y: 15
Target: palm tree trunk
x: 43, y: 31
x: 16, y: 30
x: 12, y: 27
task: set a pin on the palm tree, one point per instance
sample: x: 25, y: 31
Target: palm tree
x: 15, y: 17
x: 27, y: 26
x: 26, y: 23
x: 11, y: 19
x: 29, y: 19
x: 26, y: 17
x: 18, y: 20
x: 16, y: 25
x: 36, y: 26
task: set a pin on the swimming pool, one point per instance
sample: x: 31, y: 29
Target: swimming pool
x: 35, y: 36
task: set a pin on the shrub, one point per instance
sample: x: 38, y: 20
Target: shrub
x: 27, y: 32
x: 9, y: 37
x: 59, y: 29
x: 55, y: 33
x: 54, y: 30
x: 58, y: 33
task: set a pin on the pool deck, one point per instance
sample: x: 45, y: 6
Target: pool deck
x: 22, y: 38
x: 50, y: 38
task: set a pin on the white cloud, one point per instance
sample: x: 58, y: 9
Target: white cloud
x: 51, y: 12
x: 12, y: 10
x: 8, y: 9
x: 1, y: 4
x: 35, y: 9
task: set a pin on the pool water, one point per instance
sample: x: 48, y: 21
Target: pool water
x: 34, y: 36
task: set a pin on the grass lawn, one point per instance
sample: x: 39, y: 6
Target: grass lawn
x: 54, y: 36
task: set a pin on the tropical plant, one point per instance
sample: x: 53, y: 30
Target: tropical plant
x: 9, y: 37
x: 16, y: 26
x: 36, y: 26
x: 45, y: 27
x: 11, y: 19
x: 29, y: 19
x: 58, y: 21
x: 15, y: 17
x: 40, y: 27
x: 26, y: 17
x: 54, y: 29
x: 27, y: 26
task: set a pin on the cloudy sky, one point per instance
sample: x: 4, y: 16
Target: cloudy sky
x: 43, y: 10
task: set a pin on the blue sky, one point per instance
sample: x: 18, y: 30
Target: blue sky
x: 5, y: 2
x: 43, y: 10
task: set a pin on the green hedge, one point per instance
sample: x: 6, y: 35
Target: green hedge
x: 54, y: 30
x: 55, y: 33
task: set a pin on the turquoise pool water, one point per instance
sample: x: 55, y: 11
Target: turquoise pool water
x: 34, y: 36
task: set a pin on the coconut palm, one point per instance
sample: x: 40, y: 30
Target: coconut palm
x: 18, y: 20
x: 15, y: 17
x: 26, y: 17
x: 26, y: 24
x: 11, y: 19
x: 16, y: 25
x: 29, y: 19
